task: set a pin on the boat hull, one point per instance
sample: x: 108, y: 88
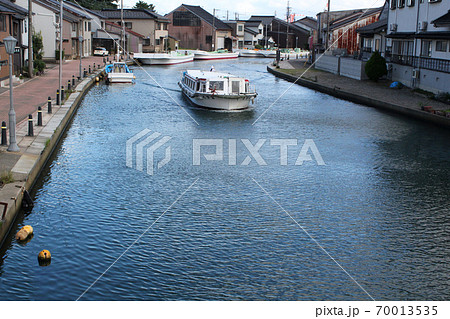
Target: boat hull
x: 218, y: 102
x: 120, y: 78
x: 163, y: 60
x: 215, y: 56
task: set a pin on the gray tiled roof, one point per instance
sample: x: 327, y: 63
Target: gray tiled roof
x: 131, y: 14
x: 208, y: 17
x: 264, y: 19
x: 8, y: 6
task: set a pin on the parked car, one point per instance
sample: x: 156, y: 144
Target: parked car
x: 101, y: 51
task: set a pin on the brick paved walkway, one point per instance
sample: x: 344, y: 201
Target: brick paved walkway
x: 35, y: 92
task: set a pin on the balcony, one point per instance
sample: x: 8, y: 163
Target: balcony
x: 439, y: 65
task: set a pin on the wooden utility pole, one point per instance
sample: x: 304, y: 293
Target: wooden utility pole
x: 30, y: 38
x: 213, y: 40
x: 328, y: 26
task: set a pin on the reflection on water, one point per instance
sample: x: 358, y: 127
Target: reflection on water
x: 379, y: 206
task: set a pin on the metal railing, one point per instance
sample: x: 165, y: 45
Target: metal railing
x: 433, y: 64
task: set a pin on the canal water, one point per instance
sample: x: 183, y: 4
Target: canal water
x: 373, y: 222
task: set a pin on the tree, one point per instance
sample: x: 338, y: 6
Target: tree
x: 376, y: 66
x: 38, y: 52
x: 144, y: 5
x: 97, y: 4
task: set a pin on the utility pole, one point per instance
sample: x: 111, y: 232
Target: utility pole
x: 213, y: 40
x: 30, y: 38
x: 328, y: 26
x: 288, y: 14
x: 123, y: 28
x: 60, y: 45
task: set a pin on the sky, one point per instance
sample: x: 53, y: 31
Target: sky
x: 246, y: 8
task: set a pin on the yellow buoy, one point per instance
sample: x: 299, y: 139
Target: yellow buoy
x: 97, y: 79
x: 29, y: 229
x: 44, y: 255
x: 24, y: 233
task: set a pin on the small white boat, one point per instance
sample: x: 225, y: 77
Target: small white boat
x: 118, y: 72
x: 268, y: 53
x: 250, y: 53
x: 215, y: 55
x: 215, y: 90
x: 163, y: 58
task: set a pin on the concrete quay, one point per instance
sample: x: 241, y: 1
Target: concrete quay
x: 35, y: 151
x: 379, y: 95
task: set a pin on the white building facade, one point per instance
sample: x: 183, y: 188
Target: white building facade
x: 418, y: 44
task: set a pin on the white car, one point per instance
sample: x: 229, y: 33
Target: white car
x: 101, y: 52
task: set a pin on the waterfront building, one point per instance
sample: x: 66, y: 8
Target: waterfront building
x: 253, y: 34
x: 344, y: 38
x: 284, y: 34
x: 196, y: 28
x: 151, y: 25
x: 13, y: 21
x: 418, y: 46
x: 111, y: 37
x: 372, y: 37
x: 238, y: 33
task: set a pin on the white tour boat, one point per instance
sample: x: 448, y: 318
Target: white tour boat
x: 118, y: 72
x: 215, y: 90
x: 250, y: 53
x: 215, y: 55
x: 163, y: 58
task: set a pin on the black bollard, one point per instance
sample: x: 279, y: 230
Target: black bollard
x: 63, y: 97
x: 49, y: 105
x: 94, y: 66
x: 84, y: 72
x: 30, y: 125
x: 4, y: 142
x: 73, y: 80
x: 89, y: 69
x: 58, y: 101
x: 39, y: 123
x: 68, y: 86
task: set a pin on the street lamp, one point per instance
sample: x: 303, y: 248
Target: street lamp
x: 80, y: 41
x: 10, y: 46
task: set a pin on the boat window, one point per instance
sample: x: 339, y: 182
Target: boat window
x: 247, y: 89
x: 235, y: 87
x: 198, y: 86
x: 216, y: 85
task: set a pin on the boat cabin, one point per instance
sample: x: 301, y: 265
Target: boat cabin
x: 215, y: 83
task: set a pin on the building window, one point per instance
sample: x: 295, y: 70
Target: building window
x: 260, y: 31
x: 157, y: 41
x: 426, y: 48
x: 74, y: 27
x: 89, y: 26
x: 208, y: 39
x: 186, y: 19
x: 164, y: 26
x: 85, y: 25
x: 441, y: 46
x: 102, y: 24
x: 146, y: 42
x: 401, y: 4
x: 240, y: 28
x: 393, y: 4
x: 377, y: 45
x: 129, y: 25
x: 15, y: 29
x: 410, y: 3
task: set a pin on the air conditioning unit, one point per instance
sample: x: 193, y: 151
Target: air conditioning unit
x: 393, y: 27
x: 431, y: 1
x: 415, y: 73
x: 423, y: 26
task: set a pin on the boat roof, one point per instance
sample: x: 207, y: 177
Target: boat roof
x: 209, y: 74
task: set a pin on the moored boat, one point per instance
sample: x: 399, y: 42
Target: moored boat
x: 215, y: 90
x: 163, y: 58
x: 249, y: 54
x: 118, y: 72
x: 215, y: 55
